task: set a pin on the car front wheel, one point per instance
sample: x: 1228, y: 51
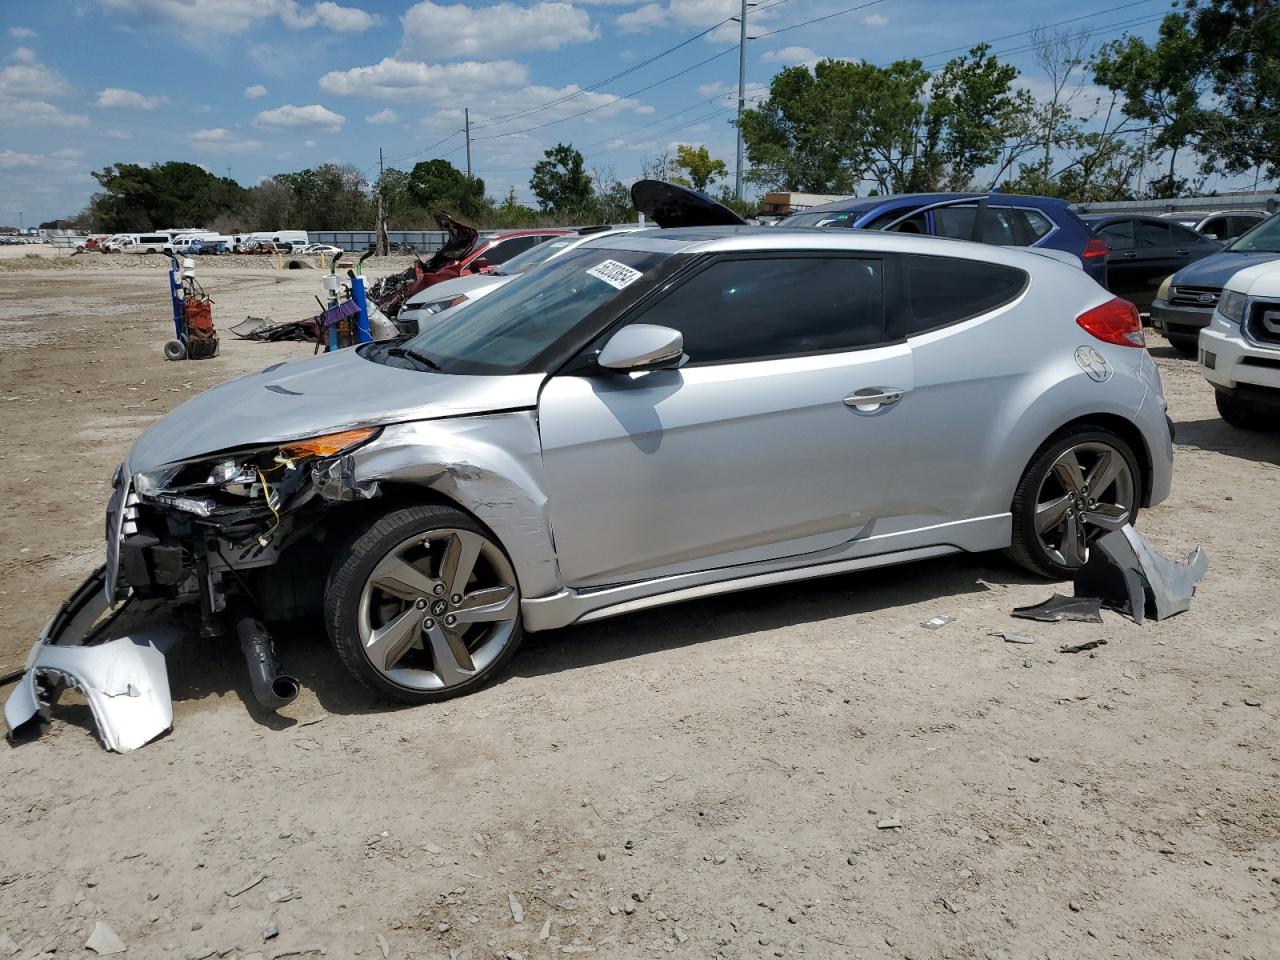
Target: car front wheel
x: 1082, y: 483
x: 423, y: 605
x: 1242, y: 414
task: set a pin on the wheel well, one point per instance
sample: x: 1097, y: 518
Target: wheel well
x: 1127, y: 431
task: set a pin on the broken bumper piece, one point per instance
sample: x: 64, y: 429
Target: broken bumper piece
x: 124, y: 680
x: 1127, y: 575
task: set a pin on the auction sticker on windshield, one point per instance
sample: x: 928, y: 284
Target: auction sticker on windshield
x: 615, y: 274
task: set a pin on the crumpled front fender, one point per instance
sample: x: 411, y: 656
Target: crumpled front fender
x: 124, y: 680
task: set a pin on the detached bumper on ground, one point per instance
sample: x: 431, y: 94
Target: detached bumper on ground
x: 124, y: 680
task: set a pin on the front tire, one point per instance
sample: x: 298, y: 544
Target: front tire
x: 1083, y: 482
x: 1186, y: 347
x: 423, y: 605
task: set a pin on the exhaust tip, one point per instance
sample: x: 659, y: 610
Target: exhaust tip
x: 285, y: 688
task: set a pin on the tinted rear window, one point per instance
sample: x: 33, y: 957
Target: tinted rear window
x: 943, y: 290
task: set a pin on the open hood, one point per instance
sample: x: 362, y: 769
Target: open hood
x: 670, y: 205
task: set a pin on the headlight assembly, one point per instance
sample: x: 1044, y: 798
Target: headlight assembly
x: 1231, y: 305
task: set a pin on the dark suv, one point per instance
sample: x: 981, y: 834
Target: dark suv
x: 1009, y: 220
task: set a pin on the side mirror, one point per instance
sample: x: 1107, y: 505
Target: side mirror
x: 479, y: 264
x: 643, y: 346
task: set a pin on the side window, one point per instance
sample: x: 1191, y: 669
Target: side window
x: 739, y: 310
x: 916, y: 224
x: 1239, y: 225
x: 1119, y: 234
x: 1183, y: 236
x: 1037, y: 223
x: 1148, y: 235
x: 504, y: 251
x: 942, y: 290
x: 957, y: 222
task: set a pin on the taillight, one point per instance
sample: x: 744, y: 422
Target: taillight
x: 1116, y: 321
x: 1095, y: 249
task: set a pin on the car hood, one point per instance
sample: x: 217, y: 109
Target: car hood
x: 451, y: 288
x: 323, y: 394
x: 1216, y: 269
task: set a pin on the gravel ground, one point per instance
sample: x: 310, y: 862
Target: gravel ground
x: 712, y: 779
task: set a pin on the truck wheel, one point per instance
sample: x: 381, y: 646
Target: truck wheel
x: 1184, y: 346
x: 1242, y: 414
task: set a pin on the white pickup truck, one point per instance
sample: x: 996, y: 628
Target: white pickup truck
x: 1240, y: 349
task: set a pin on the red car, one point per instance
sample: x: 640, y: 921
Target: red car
x: 490, y: 250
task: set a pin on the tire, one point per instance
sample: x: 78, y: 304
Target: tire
x: 392, y: 590
x: 1057, y: 545
x: 1184, y: 346
x: 175, y: 350
x: 1243, y: 415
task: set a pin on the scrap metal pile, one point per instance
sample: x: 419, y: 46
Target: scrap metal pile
x: 392, y: 291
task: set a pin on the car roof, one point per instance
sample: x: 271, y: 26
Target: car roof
x: 905, y: 201
x: 735, y: 239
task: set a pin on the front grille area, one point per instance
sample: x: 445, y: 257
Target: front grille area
x: 1262, y: 325
x: 1193, y: 296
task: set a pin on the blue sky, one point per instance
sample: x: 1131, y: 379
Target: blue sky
x: 259, y: 87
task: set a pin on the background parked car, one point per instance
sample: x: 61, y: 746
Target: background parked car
x: 1010, y: 220
x: 327, y: 249
x: 1224, y: 225
x: 488, y: 252
x: 1183, y: 309
x: 1240, y: 349
x: 1144, y: 250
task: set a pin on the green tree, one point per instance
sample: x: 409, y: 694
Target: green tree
x: 561, y: 183
x: 438, y: 185
x: 173, y: 194
x: 697, y: 163
x: 330, y: 197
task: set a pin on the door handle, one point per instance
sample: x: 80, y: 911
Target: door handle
x: 1181, y: 253
x: 1130, y: 255
x: 868, y: 398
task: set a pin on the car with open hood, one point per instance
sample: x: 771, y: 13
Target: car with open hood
x: 654, y: 416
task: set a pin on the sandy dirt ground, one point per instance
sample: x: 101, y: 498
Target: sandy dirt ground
x: 706, y: 780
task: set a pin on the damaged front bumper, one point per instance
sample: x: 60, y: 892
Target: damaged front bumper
x: 124, y: 679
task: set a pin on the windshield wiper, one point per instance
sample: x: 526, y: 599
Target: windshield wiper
x: 413, y: 355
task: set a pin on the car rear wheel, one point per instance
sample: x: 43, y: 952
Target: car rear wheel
x: 423, y: 605
x: 1242, y: 414
x: 1081, y: 483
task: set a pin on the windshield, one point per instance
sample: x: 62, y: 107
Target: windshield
x: 515, y: 325
x: 1264, y: 238
x: 540, y: 253
x: 828, y: 219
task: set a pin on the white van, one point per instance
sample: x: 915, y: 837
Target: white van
x: 146, y: 243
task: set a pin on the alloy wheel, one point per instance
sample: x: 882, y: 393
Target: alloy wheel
x: 438, y: 609
x: 1088, y: 490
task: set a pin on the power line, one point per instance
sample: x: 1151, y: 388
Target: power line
x: 805, y: 23
x: 1027, y: 47
x: 418, y: 153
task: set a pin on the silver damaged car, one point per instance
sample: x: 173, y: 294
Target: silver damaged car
x: 655, y: 416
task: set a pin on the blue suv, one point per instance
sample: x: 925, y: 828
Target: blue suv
x: 1007, y: 219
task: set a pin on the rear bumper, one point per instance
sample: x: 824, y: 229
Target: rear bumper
x: 1234, y: 365
x: 1175, y: 320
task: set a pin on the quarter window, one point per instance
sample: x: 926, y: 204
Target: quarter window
x: 739, y: 310
x: 944, y: 290
x: 957, y: 222
x: 1037, y: 223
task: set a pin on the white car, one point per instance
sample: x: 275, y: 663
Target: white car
x: 327, y: 249
x: 471, y: 287
x: 1240, y: 349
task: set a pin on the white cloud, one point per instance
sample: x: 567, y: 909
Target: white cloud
x: 642, y: 18
x: 119, y: 98
x: 23, y: 55
x: 222, y: 139
x: 29, y: 78
x: 58, y: 159
x: 308, y: 143
x: 727, y: 93
x: 236, y: 16
x: 21, y: 33
x: 791, y: 55
x: 255, y: 91
x: 383, y: 116
x: 436, y: 83
x: 430, y: 28
x: 876, y: 20
x: 644, y: 108
x: 344, y: 19
x: 22, y: 112
x: 289, y: 116
x: 118, y: 134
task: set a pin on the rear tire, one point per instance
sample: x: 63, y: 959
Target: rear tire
x: 423, y: 605
x: 1083, y: 481
x: 1243, y: 415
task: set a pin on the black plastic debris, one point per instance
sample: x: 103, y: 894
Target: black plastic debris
x: 1128, y: 576
x: 1058, y: 608
x: 1081, y: 647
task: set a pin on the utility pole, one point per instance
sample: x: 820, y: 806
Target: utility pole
x: 742, y: 94
x: 466, y: 118
x: 380, y: 238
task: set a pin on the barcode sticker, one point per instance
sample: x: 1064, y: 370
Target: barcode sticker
x: 615, y: 274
